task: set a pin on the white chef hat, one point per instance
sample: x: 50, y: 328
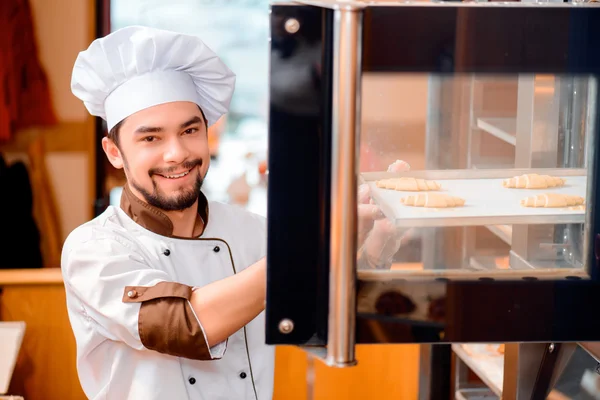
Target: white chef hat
x: 138, y: 67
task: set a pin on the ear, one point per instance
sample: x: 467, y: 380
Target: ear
x: 112, y: 152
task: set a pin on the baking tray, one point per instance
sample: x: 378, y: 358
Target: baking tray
x: 487, y: 201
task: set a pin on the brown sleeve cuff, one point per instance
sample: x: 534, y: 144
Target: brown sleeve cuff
x: 166, y: 321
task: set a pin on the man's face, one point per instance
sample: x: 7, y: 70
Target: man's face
x: 164, y: 153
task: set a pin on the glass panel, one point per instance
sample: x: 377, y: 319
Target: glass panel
x: 513, y: 149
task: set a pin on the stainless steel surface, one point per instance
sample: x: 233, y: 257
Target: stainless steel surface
x: 286, y: 326
x: 345, y: 132
x: 590, y: 154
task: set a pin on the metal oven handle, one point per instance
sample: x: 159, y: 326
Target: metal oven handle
x: 345, y: 133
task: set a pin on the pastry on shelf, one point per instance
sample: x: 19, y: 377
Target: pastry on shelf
x: 552, y: 200
x: 408, y: 184
x: 433, y: 200
x: 533, y: 181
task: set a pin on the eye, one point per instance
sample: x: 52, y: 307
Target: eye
x: 149, y: 139
x: 189, y: 131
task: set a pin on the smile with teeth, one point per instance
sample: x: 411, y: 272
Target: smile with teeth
x: 177, y: 175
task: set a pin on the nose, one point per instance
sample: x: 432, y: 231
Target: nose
x: 175, y: 151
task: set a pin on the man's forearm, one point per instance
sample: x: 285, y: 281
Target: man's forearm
x: 225, y: 306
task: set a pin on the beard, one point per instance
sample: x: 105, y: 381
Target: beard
x: 183, y: 199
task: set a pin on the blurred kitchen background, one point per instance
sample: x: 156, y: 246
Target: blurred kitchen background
x: 238, y: 31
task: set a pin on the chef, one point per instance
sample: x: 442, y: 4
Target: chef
x: 166, y: 292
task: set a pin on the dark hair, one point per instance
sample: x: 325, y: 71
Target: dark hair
x: 113, y: 134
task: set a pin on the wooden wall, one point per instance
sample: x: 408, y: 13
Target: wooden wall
x: 46, y: 364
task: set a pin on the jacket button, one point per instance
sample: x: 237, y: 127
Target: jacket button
x: 132, y: 294
x: 192, y: 380
x: 217, y: 249
x: 243, y: 375
x: 167, y: 252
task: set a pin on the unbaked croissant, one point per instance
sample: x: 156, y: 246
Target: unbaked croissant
x: 408, y: 184
x: 552, y: 200
x: 435, y: 200
x: 533, y: 181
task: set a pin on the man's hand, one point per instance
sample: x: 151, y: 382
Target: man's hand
x: 378, y: 240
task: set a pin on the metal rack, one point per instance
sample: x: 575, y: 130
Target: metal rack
x: 558, y: 371
x: 536, y: 116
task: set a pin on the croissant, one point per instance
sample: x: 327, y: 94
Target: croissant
x: 552, y: 200
x: 408, y: 184
x: 433, y: 200
x: 533, y: 181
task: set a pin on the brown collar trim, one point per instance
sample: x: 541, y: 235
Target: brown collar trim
x: 153, y: 219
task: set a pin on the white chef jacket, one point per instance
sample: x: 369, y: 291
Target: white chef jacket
x: 105, y: 257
